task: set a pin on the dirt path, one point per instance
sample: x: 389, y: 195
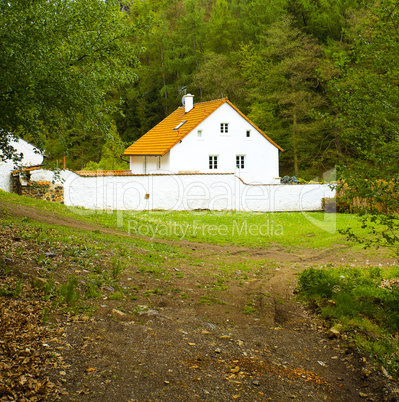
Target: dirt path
x: 206, y: 335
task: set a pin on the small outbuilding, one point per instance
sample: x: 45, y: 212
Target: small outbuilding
x: 31, y: 156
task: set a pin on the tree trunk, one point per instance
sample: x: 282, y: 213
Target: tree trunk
x: 295, y: 142
x: 164, y: 83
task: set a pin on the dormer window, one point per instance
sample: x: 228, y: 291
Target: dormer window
x: 224, y: 128
x: 179, y: 125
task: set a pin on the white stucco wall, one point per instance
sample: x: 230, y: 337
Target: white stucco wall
x: 192, y: 153
x: 30, y: 158
x: 261, y: 156
x: 189, y: 192
x: 150, y: 164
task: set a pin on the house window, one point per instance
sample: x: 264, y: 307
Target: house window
x: 199, y: 133
x: 248, y: 133
x: 224, y: 127
x: 240, y: 161
x: 213, y: 162
x: 159, y: 163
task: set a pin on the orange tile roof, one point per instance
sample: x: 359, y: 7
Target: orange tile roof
x: 94, y: 173
x: 163, y: 137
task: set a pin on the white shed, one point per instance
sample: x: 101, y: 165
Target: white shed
x: 31, y: 157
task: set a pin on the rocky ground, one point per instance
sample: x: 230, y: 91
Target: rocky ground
x: 200, y: 334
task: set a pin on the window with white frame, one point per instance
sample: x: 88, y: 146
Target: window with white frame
x: 199, y: 133
x: 224, y: 128
x: 240, y: 161
x: 213, y: 162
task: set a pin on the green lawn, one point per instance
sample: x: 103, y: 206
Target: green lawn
x: 251, y: 229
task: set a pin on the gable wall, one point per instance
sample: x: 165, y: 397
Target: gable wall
x: 30, y: 158
x: 192, y: 154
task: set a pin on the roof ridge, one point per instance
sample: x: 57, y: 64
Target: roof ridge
x: 209, y: 101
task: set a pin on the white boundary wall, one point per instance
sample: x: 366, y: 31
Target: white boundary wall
x: 186, y: 192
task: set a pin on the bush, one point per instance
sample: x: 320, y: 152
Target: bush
x: 316, y: 283
x: 364, y: 301
x: 289, y: 180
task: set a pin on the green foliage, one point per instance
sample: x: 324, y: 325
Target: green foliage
x: 363, y: 301
x: 287, y: 97
x: 68, y: 293
x: 58, y: 59
x: 366, y: 95
x: 91, y: 291
x: 117, y: 268
x: 116, y: 296
x: 110, y: 154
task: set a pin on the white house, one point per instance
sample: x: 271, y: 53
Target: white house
x: 31, y: 157
x: 207, y: 137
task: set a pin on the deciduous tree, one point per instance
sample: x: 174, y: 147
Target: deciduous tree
x: 59, y: 58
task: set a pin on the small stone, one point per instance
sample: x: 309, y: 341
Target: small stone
x: 191, y: 344
x: 225, y: 337
x: 256, y: 383
x: 235, y: 370
x: 333, y: 333
x: 50, y: 255
x: 149, y: 312
x: 118, y: 312
x: 166, y: 382
x: 204, y: 332
x: 218, y: 350
x: 362, y: 395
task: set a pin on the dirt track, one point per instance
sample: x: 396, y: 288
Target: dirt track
x: 181, y: 348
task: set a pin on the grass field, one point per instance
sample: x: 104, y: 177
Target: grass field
x: 250, y: 229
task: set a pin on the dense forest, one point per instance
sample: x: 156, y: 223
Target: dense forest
x: 320, y: 77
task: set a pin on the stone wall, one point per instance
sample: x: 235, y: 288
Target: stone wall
x: 41, y: 190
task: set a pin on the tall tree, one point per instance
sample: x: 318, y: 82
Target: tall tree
x: 286, y: 93
x: 59, y: 58
x: 367, y: 96
x: 110, y: 153
x: 222, y: 28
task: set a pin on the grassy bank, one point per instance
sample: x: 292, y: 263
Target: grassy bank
x: 250, y: 229
x: 361, y: 306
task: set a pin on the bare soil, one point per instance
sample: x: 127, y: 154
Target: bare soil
x: 241, y: 337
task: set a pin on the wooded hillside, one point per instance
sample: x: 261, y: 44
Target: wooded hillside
x: 299, y: 69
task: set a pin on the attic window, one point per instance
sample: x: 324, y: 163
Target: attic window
x: 224, y: 127
x: 180, y: 124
